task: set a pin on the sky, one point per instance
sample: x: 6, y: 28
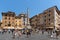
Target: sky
x: 34, y: 6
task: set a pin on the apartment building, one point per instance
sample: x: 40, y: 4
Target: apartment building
x: 48, y: 19
x: 8, y: 20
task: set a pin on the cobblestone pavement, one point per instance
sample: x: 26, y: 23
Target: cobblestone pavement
x: 34, y: 36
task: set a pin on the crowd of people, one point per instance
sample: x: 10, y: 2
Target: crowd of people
x: 28, y: 32
x: 18, y: 33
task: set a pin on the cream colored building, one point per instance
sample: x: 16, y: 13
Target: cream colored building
x: 25, y: 19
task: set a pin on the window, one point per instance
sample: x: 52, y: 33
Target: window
x: 24, y: 19
x: 5, y: 25
x: 24, y: 23
x: 59, y: 24
x: 12, y: 15
x: 49, y: 19
x: 9, y: 24
x: 45, y: 16
x: 45, y: 20
x: 49, y: 23
x: 49, y: 14
x: 9, y: 18
x: 5, y: 21
x: 5, y: 17
x: 45, y: 24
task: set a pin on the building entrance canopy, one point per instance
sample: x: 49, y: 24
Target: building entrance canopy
x: 8, y: 28
x: 18, y: 28
x: 49, y: 28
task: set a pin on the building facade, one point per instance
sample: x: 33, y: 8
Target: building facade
x: 0, y: 23
x: 18, y: 23
x: 8, y: 20
x: 11, y: 21
x: 48, y: 19
x: 25, y: 20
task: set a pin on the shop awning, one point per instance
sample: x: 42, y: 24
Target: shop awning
x: 8, y: 27
x: 49, y: 27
